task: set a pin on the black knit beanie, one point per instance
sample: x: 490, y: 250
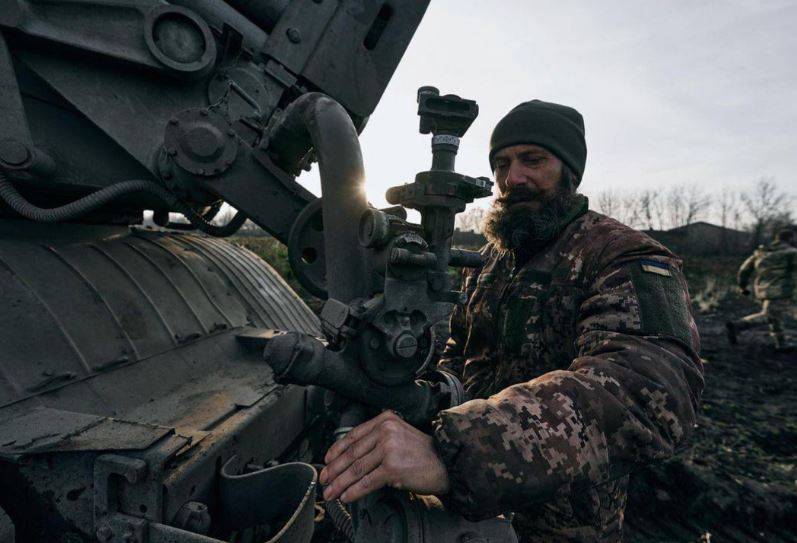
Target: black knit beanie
x: 558, y: 128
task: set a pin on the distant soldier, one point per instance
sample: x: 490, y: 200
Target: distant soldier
x: 774, y: 271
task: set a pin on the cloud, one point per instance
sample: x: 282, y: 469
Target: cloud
x: 672, y: 92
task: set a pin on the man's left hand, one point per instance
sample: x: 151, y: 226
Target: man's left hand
x: 385, y: 451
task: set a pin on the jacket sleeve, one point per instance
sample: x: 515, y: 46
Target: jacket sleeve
x: 453, y: 358
x: 746, y: 272
x: 629, y: 397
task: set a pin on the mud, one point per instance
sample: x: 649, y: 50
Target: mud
x: 737, y: 481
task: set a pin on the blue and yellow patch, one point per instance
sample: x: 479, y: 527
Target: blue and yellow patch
x: 652, y: 266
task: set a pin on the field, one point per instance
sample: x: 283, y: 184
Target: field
x: 737, y: 479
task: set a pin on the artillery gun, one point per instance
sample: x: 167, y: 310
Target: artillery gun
x: 137, y: 397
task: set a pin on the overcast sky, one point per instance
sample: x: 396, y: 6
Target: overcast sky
x: 673, y: 92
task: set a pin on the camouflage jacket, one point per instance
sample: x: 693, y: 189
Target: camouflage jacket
x: 775, y: 269
x: 582, y: 363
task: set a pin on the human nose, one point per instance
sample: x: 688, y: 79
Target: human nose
x: 515, y: 176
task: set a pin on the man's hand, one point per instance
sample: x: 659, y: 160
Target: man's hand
x: 385, y: 451
x: 745, y: 291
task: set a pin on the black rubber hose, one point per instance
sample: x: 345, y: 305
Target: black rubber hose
x: 341, y: 518
x: 204, y: 224
x: 89, y: 203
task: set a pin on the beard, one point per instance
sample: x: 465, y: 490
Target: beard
x: 512, y: 226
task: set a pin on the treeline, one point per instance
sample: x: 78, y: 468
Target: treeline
x: 759, y: 209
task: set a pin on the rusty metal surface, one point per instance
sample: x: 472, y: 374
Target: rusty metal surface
x: 125, y: 342
x: 137, y: 296
x: 45, y: 429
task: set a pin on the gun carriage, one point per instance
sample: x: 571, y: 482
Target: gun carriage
x: 165, y: 385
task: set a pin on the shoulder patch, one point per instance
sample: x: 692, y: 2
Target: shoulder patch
x: 663, y: 305
x: 652, y: 266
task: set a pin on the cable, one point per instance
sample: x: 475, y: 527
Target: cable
x: 89, y: 203
x: 337, y: 511
x: 341, y: 518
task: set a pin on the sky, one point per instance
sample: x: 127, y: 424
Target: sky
x: 674, y: 93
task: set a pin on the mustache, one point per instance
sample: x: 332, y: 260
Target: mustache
x: 520, y: 193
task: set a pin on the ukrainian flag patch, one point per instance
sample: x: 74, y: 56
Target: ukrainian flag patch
x: 652, y: 266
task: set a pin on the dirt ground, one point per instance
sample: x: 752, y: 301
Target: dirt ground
x: 737, y: 481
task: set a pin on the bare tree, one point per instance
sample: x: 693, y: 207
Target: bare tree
x: 471, y: 220
x: 634, y: 215
x: 647, y: 202
x: 675, y: 207
x: 695, y: 204
x: 659, y: 210
x: 727, y: 207
x: 608, y: 203
x: 766, y: 204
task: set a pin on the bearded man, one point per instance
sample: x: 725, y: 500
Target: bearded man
x: 577, y: 348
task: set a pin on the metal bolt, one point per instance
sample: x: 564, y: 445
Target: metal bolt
x: 174, y: 120
x: 201, y: 171
x: 373, y: 343
x: 171, y: 151
x: 406, y: 345
x: 231, y: 133
x: 104, y: 533
x: 294, y: 35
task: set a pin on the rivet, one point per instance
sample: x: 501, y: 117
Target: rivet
x: 294, y: 35
x: 174, y: 120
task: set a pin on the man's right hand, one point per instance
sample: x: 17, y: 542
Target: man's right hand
x: 745, y: 291
x: 385, y: 451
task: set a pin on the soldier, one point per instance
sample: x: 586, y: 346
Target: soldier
x: 774, y: 268
x: 577, y: 346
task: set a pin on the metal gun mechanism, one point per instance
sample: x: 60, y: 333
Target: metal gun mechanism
x: 386, y: 340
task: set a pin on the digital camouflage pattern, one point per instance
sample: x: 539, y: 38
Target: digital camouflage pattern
x: 772, y: 313
x: 582, y: 363
x: 773, y: 269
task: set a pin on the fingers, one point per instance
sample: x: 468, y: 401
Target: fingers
x: 355, y: 464
x: 347, y: 457
x: 356, y: 434
x: 360, y: 469
x: 368, y: 483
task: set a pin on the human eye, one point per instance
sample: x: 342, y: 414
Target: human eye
x: 532, y: 160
